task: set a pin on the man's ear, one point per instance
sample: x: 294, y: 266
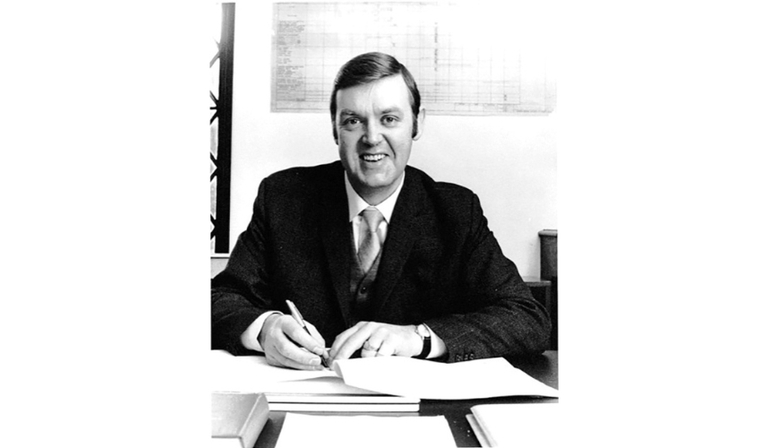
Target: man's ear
x: 418, y: 125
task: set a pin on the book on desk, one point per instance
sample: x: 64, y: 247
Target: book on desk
x: 237, y: 418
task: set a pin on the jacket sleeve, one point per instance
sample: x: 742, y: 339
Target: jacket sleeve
x: 498, y: 314
x: 241, y: 292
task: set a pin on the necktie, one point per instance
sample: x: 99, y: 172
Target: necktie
x: 370, y: 241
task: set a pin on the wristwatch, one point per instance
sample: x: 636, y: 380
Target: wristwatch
x: 423, y: 331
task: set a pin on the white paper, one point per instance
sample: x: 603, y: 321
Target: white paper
x: 481, y: 378
x: 408, y: 377
x: 520, y: 425
x: 334, y: 431
x: 253, y: 373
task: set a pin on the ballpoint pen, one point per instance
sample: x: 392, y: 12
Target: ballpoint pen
x: 297, y: 316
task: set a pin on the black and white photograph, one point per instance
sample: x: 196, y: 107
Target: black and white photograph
x: 390, y: 170
x: 466, y: 223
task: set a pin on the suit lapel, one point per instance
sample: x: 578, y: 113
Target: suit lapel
x: 401, y: 235
x: 334, y: 230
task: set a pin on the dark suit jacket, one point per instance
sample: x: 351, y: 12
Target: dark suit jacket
x: 440, y: 265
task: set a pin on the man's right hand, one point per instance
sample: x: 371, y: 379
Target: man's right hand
x: 286, y: 344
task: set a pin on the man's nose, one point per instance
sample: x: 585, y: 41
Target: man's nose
x: 372, y: 136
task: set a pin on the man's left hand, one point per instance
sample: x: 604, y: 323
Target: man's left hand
x: 377, y: 339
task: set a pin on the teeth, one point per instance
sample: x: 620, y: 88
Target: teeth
x: 372, y: 157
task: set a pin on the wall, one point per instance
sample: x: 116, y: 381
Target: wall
x: 510, y: 162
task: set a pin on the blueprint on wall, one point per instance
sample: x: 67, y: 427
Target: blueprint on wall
x: 460, y: 68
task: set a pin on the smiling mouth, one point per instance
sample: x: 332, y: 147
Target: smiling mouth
x: 372, y: 157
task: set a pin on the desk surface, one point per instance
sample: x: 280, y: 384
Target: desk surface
x: 542, y: 367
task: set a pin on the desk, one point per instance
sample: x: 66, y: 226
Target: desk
x: 542, y: 367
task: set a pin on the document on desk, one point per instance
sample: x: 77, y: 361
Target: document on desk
x: 252, y: 373
x: 480, y: 378
x: 518, y: 424
x: 334, y: 431
x: 297, y: 390
x: 407, y: 377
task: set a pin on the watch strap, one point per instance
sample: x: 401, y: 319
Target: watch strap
x: 427, y: 342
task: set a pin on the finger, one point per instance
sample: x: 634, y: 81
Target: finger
x: 281, y: 350
x: 342, y: 338
x: 387, y: 348
x: 353, y: 342
x: 372, y: 346
x: 288, y: 354
x: 320, y: 340
x: 317, y: 337
x: 369, y: 350
x: 286, y: 361
x: 303, y: 339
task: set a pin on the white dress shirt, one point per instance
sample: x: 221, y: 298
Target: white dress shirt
x: 357, y: 204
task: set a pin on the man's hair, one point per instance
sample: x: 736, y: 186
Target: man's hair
x: 370, y: 67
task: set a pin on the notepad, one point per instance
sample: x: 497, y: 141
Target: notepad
x: 334, y: 431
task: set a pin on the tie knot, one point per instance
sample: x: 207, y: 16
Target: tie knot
x: 372, y: 217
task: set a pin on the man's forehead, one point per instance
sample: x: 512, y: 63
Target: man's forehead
x: 389, y: 93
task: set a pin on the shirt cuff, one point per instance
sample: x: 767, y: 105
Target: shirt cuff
x: 256, y: 326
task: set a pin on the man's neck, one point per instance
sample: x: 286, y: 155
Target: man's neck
x: 357, y: 203
x: 375, y: 196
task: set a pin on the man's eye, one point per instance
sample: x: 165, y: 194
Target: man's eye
x: 389, y: 120
x: 351, y: 122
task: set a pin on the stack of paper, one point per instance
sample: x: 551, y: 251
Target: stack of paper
x: 330, y: 394
x: 520, y: 425
x: 384, y: 384
x: 305, y: 391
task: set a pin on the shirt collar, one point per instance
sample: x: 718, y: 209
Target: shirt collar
x: 357, y: 204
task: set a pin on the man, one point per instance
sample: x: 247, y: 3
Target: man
x: 376, y: 255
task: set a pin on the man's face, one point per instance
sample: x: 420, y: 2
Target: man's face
x: 375, y: 127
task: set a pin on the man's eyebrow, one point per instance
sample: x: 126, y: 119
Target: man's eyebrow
x: 391, y: 110
x: 388, y: 110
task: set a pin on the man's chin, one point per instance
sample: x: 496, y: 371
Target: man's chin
x: 373, y: 179
x: 374, y: 191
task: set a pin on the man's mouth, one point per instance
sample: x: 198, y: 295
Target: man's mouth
x: 372, y: 157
